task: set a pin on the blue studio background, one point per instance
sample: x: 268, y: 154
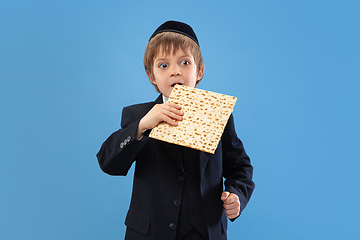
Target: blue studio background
x: 67, y: 68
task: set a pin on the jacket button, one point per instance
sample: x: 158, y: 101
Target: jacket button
x: 180, y: 179
x: 172, y: 226
x: 191, y: 169
x: 193, y: 218
x: 177, y: 203
x: 121, y: 145
x: 192, y: 193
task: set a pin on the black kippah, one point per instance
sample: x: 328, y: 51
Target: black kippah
x: 178, y: 27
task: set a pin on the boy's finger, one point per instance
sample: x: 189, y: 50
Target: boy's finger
x: 224, y: 196
x: 173, y: 105
x: 173, y: 115
x: 169, y: 120
x: 232, y: 216
x: 171, y: 109
x: 231, y: 199
x: 231, y: 206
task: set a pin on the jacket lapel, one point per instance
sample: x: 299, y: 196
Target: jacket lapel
x: 204, y: 157
x: 174, y: 153
x: 159, y: 100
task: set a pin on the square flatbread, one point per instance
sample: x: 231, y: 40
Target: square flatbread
x: 205, y: 116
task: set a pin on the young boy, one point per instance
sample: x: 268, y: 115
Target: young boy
x: 178, y: 191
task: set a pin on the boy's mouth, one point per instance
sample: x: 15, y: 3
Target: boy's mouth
x: 176, y: 84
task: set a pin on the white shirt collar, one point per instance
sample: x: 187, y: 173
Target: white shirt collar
x: 165, y: 99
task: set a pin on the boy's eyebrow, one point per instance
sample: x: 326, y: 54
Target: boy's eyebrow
x: 165, y: 58
x: 160, y: 59
x: 185, y: 55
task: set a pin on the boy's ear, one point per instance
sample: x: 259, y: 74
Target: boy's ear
x: 151, y: 79
x: 201, y: 73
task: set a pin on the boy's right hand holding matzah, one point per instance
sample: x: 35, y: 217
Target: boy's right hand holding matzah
x: 168, y: 113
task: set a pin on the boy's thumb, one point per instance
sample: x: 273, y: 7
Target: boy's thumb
x: 224, y: 196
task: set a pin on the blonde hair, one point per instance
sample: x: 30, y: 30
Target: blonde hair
x: 169, y: 43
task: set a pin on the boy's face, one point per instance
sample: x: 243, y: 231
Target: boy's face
x: 178, y: 68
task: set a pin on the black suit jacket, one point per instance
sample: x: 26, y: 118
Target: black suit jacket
x: 159, y: 177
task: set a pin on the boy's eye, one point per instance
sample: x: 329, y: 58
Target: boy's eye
x: 163, y: 65
x: 185, y: 62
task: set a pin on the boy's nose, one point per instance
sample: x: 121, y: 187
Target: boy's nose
x: 175, y: 71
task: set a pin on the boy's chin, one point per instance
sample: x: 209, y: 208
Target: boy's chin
x: 166, y: 95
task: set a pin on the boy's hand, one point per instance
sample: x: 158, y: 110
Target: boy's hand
x: 166, y: 112
x: 231, y: 204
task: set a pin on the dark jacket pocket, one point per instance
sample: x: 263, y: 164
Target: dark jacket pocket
x: 137, y: 221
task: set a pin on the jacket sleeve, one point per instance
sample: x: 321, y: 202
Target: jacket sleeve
x: 119, y: 151
x: 237, y: 169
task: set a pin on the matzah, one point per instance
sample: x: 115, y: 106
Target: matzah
x: 205, y: 116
